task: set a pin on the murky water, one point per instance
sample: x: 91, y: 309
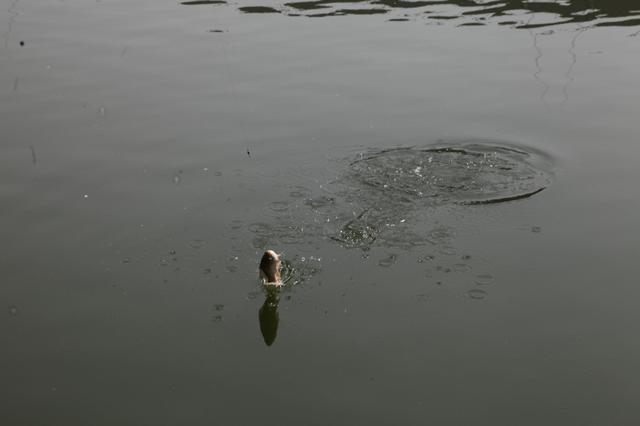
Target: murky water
x: 452, y: 186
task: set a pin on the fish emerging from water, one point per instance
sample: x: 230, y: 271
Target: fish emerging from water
x: 270, y: 266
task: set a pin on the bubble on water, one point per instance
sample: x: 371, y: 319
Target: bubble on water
x: 218, y: 307
x: 388, y: 261
x: 484, y: 279
x: 13, y: 310
x: 476, y: 294
x: 536, y: 229
x: 216, y: 318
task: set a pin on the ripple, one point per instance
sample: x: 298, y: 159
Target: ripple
x: 381, y: 195
x: 279, y: 206
x: 299, y: 269
x: 448, y: 251
x: 517, y: 14
x: 388, y: 261
x: 484, y: 279
x: 299, y: 192
x: 461, y: 267
x: 319, y: 202
x: 470, y: 173
x: 196, y: 244
x: 477, y: 294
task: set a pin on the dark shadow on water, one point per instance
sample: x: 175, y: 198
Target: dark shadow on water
x: 466, y: 12
x: 258, y: 9
x: 199, y: 2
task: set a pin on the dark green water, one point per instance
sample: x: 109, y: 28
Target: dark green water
x: 454, y: 186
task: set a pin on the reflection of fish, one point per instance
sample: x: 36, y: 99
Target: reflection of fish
x: 269, y: 317
x: 270, y: 266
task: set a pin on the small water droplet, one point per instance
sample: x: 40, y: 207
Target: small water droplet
x: 13, y: 310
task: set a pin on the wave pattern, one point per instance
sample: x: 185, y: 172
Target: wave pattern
x: 518, y: 14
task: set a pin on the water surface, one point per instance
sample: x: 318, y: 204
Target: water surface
x: 152, y: 150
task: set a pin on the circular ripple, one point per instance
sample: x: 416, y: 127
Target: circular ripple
x: 469, y: 173
x: 484, y: 279
x: 477, y: 294
x: 279, y: 206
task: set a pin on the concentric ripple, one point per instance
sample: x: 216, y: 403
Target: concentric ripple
x: 465, y: 174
